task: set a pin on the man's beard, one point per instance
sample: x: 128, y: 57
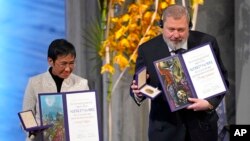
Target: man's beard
x: 175, y: 45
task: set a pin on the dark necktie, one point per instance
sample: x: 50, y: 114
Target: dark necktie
x: 178, y: 51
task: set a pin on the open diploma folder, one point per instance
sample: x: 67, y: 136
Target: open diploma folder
x: 145, y: 89
x: 29, y: 122
x: 74, y: 115
x: 194, y: 73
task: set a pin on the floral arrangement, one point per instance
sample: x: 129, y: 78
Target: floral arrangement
x: 127, y: 30
x: 126, y: 26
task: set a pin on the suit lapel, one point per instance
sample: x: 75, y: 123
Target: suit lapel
x: 67, y: 83
x: 49, y: 82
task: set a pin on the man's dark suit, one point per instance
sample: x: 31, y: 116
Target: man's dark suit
x: 165, y: 125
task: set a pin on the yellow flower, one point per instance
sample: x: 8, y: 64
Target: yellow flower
x: 166, y: 3
x: 163, y: 5
x: 120, y: 32
x: 114, y: 20
x: 132, y: 27
x: 107, y: 68
x: 152, y: 32
x: 198, y: 2
x: 125, y: 18
x: 143, y: 7
x: 121, y: 61
x: 103, y: 48
x: 124, y: 43
x: 133, y: 8
x: 171, y: 1
x: 147, y: 17
x: 121, y: 45
x: 132, y: 37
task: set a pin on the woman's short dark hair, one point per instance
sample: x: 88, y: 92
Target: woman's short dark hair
x: 60, y: 47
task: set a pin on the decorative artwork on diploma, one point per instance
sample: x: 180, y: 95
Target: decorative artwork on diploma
x: 52, y: 113
x: 174, y: 80
x: 73, y: 114
x: 194, y: 73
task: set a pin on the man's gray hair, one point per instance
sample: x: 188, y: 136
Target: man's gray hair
x: 175, y: 11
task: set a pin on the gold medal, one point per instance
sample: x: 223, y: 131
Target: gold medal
x: 149, y: 91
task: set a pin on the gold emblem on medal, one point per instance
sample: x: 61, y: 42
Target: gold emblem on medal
x: 149, y: 91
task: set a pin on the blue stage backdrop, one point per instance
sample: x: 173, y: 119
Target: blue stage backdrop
x: 26, y: 29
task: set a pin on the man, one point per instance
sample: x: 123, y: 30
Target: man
x: 59, y: 78
x: 197, y: 122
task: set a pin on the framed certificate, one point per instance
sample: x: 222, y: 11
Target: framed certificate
x: 194, y: 73
x: 74, y: 115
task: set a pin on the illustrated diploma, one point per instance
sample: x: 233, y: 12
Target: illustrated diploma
x: 194, y: 73
x: 74, y: 115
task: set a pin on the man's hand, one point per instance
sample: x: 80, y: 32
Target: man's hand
x: 135, y: 89
x: 199, y: 104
